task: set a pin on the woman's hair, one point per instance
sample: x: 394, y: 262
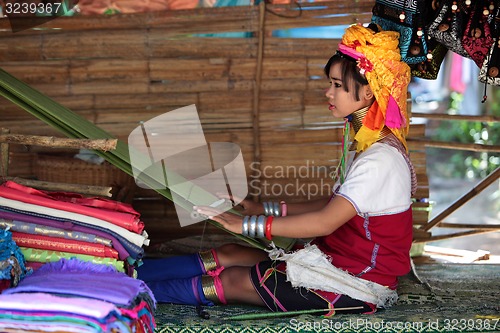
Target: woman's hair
x: 351, y: 77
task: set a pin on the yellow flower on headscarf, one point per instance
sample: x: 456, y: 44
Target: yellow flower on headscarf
x: 379, y: 59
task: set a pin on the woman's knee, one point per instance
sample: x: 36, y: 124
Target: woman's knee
x: 227, y: 250
x: 236, y: 277
x: 238, y: 286
x: 238, y: 255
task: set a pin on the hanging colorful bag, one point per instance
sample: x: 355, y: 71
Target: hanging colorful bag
x: 490, y: 69
x: 448, y: 27
x: 477, y: 39
x: 405, y: 17
x: 436, y: 52
x: 429, y: 69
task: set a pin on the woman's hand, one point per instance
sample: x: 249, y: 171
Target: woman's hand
x: 250, y: 207
x: 229, y: 221
x: 246, y: 206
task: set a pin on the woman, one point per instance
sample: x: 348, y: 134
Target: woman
x: 365, y: 228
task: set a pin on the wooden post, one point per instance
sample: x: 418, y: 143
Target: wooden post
x: 256, y: 94
x: 4, y: 155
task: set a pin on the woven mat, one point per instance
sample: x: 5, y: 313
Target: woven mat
x: 462, y: 298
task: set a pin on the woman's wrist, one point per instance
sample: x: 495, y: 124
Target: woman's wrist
x: 257, y: 226
x: 274, y: 208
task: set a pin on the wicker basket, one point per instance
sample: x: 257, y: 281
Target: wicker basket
x: 64, y: 169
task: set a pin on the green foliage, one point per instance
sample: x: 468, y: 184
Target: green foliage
x: 495, y: 102
x: 466, y: 164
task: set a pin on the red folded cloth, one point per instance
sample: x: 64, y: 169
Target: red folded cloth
x: 63, y: 245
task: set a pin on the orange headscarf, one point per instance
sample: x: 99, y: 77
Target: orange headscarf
x: 379, y: 60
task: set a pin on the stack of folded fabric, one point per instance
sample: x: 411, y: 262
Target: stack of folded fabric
x: 48, y: 226
x: 72, y: 295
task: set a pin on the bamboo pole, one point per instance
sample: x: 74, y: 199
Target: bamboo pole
x: 457, y: 145
x: 4, y: 154
x: 256, y: 91
x: 50, y: 141
x: 102, y: 191
x: 463, y: 199
x: 455, y: 117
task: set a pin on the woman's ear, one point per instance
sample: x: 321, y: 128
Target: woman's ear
x: 368, y: 93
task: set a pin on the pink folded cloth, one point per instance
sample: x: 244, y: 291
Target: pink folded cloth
x: 115, y: 212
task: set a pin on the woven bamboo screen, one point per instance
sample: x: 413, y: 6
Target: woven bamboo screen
x: 264, y: 93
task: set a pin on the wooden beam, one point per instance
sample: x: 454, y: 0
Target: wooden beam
x: 102, y: 191
x: 454, y: 235
x: 53, y: 142
x: 442, y: 116
x: 457, y: 145
x: 469, y: 226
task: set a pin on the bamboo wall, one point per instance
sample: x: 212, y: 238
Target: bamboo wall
x: 262, y: 92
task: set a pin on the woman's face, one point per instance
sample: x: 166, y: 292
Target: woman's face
x: 343, y: 103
